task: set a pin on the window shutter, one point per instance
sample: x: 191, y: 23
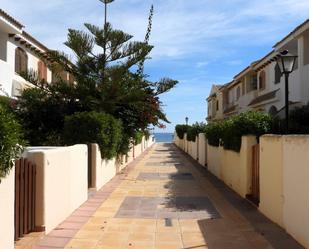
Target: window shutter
x: 42, y: 71
x: 17, y: 60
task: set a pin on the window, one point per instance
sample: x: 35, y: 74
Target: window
x: 262, y: 80
x: 243, y: 86
x: 277, y: 74
x: 217, y: 105
x: 238, y: 93
x: 21, y: 61
x: 42, y: 71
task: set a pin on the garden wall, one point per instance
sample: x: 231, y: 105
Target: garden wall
x: 62, y: 182
x: 271, y: 178
x: 104, y: 170
x: 7, y: 211
x: 231, y: 167
x: 214, y: 160
x: 194, y: 149
x: 236, y: 168
x: 284, y: 183
x: 202, y: 149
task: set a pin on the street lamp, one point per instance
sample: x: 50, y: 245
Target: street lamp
x: 286, y: 63
x: 187, y: 119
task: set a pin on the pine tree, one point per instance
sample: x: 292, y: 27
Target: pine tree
x: 108, y: 71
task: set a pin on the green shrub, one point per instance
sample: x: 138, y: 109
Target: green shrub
x: 249, y: 123
x: 213, y: 133
x: 93, y: 127
x: 299, y: 120
x: 138, y: 137
x: 194, y: 130
x: 6, y: 102
x: 42, y: 116
x: 11, y: 141
x: 147, y: 134
x: 181, y: 130
x: 125, y: 144
x: 229, y: 132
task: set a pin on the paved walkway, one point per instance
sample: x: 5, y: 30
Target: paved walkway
x: 166, y: 201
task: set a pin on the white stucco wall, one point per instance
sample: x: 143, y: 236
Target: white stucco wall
x: 61, y: 182
x: 271, y: 178
x: 7, y: 195
x: 295, y: 187
x: 214, y: 160
x: 194, y: 149
x: 7, y: 65
x: 284, y: 183
x: 202, y: 155
x: 104, y: 170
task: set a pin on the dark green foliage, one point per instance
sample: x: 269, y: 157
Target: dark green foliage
x: 11, y: 141
x: 249, y: 123
x: 138, y: 137
x: 125, y: 144
x: 108, y: 78
x: 213, y: 133
x: 194, y: 130
x: 299, y: 120
x: 42, y: 111
x: 7, y: 103
x: 181, y: 130
x: 147, y: 134
x: 93, y: 127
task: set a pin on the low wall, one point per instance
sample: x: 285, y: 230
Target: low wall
x: 236, y: 168
x: 194, y: 149
x: 104, y: 170
x: 62, y: 182
x: 284, y: 183
x: 202, y: 149
x: 7, y: 194
x: 186, y: 143
x: 214, y: 158
x: 271, y: 178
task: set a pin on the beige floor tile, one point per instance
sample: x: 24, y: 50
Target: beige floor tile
x: 134, y: 237
x: 169, y: 237
x: 84, y: 234
x: 82, y: 244
x: 168, y: 245
x: 140, y: 245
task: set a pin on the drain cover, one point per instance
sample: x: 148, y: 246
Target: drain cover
x: 168, y: 222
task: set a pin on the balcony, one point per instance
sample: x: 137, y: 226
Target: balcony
x: 19, y: 84
x: 6, y: 77
x: 11, y: 84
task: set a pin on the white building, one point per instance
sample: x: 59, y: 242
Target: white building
x: 20, y: 52
x: 261, y: 86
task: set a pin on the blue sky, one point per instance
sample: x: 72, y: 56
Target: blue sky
x: 197, y: 42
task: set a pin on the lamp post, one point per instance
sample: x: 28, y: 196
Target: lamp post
x: 286, y: 63
x: 187, y: 119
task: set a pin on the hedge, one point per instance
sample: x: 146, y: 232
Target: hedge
x: 181, y: 130
x: 228, y: 132
x: 94, y: 127
x: 138, y: 137
x: 194, y: 130
x: 11, y: 141
x: 213, y: 133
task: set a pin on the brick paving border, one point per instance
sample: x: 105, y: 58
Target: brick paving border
x: 61, y: 235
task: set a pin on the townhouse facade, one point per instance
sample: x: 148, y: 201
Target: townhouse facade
x: 19, y: 53
x: 261, y: 86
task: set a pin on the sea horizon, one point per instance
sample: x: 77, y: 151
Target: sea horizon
x: 164, y: 137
